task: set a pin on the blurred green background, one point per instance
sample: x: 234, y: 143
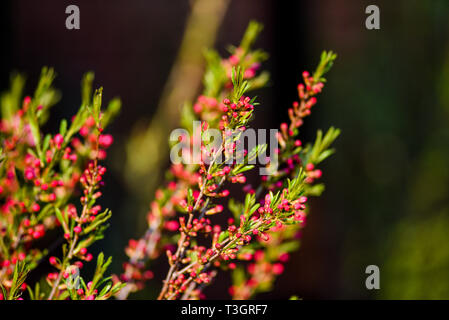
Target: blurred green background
x: 387, y: 187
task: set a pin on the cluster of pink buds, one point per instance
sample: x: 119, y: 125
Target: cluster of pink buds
x: 181, y: 218
x: 75, y: 225
x: 40, y: 176
x: 261, y: 272
x: 212, y: 177
x: 312, y: 173
x: 207, y: 105
x: 294, y: 159
x: 243, y: 59
x: 232, y: 113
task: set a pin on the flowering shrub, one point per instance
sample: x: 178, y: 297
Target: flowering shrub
x: 49, y: 186
x: 264, y: 227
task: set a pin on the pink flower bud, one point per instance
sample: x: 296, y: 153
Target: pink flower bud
x: 284, y: 257
x: 29, y: 173
x: 284, y: 126
x: 35, y: 207
x: 278, y: 268
x: 105, y: 140
x: 172, y: 225
x: 59, y: 139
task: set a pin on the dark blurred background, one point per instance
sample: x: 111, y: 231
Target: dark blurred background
x: 387, y: 188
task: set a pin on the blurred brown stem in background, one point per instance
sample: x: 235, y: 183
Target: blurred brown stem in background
x: 147, y: 148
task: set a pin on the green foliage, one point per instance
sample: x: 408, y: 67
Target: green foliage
x: 45, y: 173
x: 253, y: 30
x: 326, y: 63
x: 416, y: 260
x: 240, y: 85
x: 20, y: 273
x: 215, y: 74
x: 11, y: 100
x: 321, y: 148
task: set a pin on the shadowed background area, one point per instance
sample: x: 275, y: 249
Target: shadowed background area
x: 387, y: 188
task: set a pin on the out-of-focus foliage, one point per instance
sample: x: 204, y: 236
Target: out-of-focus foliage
x: 392, y: 206
x: 417, y: 263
